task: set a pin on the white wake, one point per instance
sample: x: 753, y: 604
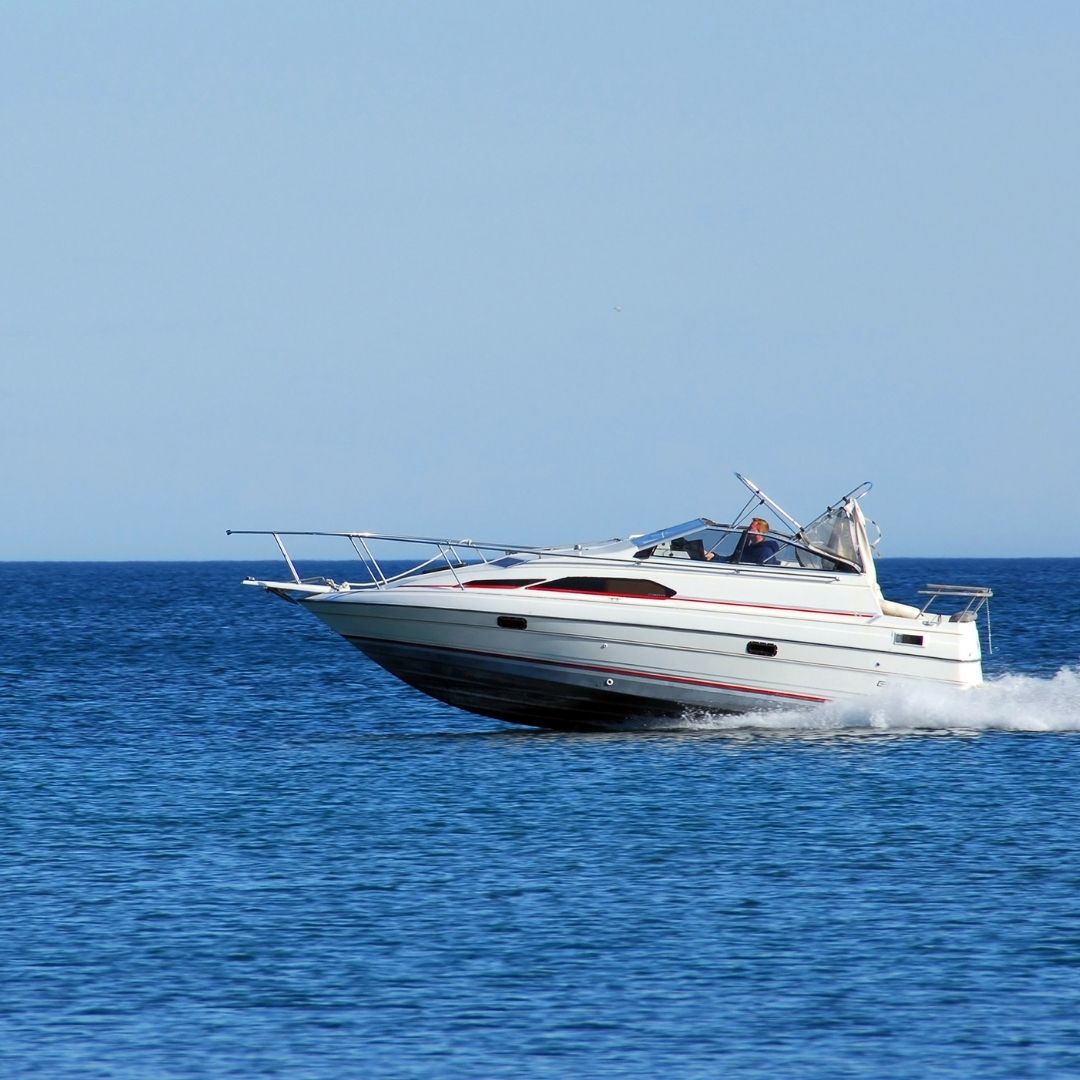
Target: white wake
x: 1006, y: 703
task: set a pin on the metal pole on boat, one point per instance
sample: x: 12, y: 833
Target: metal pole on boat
x: 769, y: 503
x: 374, y: 563
x: 285, y: 556
x: 443, y: 551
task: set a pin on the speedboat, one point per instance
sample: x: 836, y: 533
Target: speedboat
x: 640, y: 632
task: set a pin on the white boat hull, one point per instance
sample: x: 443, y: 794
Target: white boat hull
x: 626, y: 633
x: 615, y: 663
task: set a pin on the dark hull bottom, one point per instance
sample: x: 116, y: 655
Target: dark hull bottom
x: 516, y: 692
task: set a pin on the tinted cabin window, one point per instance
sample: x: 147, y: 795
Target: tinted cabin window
x: 610, y: 586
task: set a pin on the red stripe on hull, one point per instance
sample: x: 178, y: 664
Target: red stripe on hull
x: 680, y: 679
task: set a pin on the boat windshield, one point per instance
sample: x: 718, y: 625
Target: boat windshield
x: 831, y: 542
x: 834, y: 533
x: 700, y: 539
x: 719, y: 544
x: 672, y: 532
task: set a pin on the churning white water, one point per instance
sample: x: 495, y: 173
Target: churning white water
x: 1004, y: 703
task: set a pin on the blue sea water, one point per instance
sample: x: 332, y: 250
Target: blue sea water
x: 232, y: 847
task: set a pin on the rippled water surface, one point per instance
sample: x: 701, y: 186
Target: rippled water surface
x: 232, y: 847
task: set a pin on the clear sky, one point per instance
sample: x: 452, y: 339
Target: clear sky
x: 536, y: 272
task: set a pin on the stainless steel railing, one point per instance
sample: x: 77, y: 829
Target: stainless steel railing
x: 448, y: 552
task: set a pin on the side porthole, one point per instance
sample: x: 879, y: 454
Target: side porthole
x: 512, y: 622
x: 907, y: 639
x: 761, y: 648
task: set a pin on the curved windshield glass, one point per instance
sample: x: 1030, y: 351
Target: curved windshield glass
x: 834, y: 532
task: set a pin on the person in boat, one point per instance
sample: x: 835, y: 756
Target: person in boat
x: 755, y: 548
x: 759, y: 548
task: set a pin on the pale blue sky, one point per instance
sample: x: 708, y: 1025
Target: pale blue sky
x: 359, y: 266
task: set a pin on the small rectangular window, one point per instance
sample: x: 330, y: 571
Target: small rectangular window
x: 907, y: 639
x: 511, y: 622
x: 761, y: 648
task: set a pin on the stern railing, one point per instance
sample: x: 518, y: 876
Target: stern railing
x: 977, y: 596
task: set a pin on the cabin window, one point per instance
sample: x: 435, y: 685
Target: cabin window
x: 610, y: 586
x: 511, y: 622
x: 907, y: 639
x: 761, y: 648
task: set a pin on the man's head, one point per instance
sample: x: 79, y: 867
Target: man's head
x: 758, y: 528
